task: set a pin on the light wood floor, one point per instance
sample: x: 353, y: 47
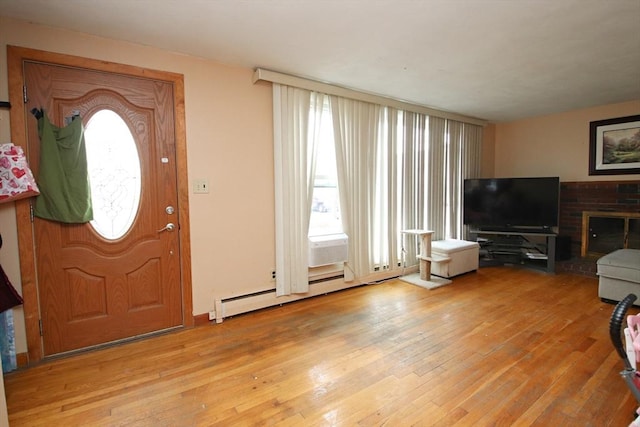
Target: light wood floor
x: 499, y: 347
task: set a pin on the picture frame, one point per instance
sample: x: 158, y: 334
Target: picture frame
x: 614, y: 146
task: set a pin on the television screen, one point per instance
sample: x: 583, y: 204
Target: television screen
x: 504, y: 203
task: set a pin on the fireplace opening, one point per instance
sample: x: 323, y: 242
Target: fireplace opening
x: 605, y: 232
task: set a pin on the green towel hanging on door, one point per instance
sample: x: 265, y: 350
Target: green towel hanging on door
x: 63, y: 178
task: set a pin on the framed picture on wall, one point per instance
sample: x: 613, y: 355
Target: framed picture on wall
x: 614, y: 146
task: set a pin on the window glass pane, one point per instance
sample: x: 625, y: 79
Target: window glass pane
x: 325, y: 209
x: 114, y: 172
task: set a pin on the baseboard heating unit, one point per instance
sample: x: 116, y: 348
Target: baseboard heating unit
x: 245, y: 303
x: 231, y: 306
x: 329, y: 249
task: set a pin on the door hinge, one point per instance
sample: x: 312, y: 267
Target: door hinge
x: 31, y: 211
x: 24, y: 94
x: 40, y: 325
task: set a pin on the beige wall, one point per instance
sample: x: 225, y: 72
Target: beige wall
x: 229, y: 138
x: 554, y: 145
x: 487, y: 165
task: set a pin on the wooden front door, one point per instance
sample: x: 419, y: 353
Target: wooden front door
x: 94, y: 288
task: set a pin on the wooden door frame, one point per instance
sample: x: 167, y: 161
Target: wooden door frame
x: 26, y: 250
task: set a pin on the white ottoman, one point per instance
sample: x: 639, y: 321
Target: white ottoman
x: 619, y: 274
x: 451, y: 257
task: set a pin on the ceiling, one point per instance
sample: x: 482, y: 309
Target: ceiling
x: 498, y: 60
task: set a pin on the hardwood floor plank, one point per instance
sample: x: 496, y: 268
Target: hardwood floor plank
x: 503, y: 346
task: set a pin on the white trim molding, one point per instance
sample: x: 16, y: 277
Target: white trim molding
x: 331, y: 89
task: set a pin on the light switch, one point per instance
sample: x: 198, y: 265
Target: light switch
x: 201, y: 186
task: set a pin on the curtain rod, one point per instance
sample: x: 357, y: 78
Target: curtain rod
x: 331, y: 89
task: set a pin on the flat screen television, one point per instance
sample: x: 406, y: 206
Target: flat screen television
x: 503, y: 204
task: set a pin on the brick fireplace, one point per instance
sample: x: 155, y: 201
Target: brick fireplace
x: 592, y: 196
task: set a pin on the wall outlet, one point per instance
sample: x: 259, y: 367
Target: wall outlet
x: 212, y: 315
x: 273, y: 275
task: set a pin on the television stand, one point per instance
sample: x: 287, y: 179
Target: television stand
x: 517, y: 230
x: 528, y: 248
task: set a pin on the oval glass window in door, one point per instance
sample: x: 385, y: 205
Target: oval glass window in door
x: 114, y: 172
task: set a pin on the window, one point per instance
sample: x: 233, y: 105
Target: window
x: 402, y: 170
x: 114, y: 172
x: 325, y: 209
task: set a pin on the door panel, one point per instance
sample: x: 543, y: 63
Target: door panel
x: 91, y: 289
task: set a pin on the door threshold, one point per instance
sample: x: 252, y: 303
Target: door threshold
x: 110, y: 344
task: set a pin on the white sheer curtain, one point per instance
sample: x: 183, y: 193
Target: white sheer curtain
x: 453, y: 154
x: 412, y: 188
x: 454, y: 171
x: 384, y: 230
x: 396, y: 170
x: 296, y: 124
x: 436, y: 178
x: 465, y: 145
x: 356, y: 131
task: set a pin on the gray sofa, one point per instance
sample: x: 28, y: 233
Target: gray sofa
x: 619, y: 275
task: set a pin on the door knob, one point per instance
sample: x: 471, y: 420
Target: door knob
x: 168, y: 227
